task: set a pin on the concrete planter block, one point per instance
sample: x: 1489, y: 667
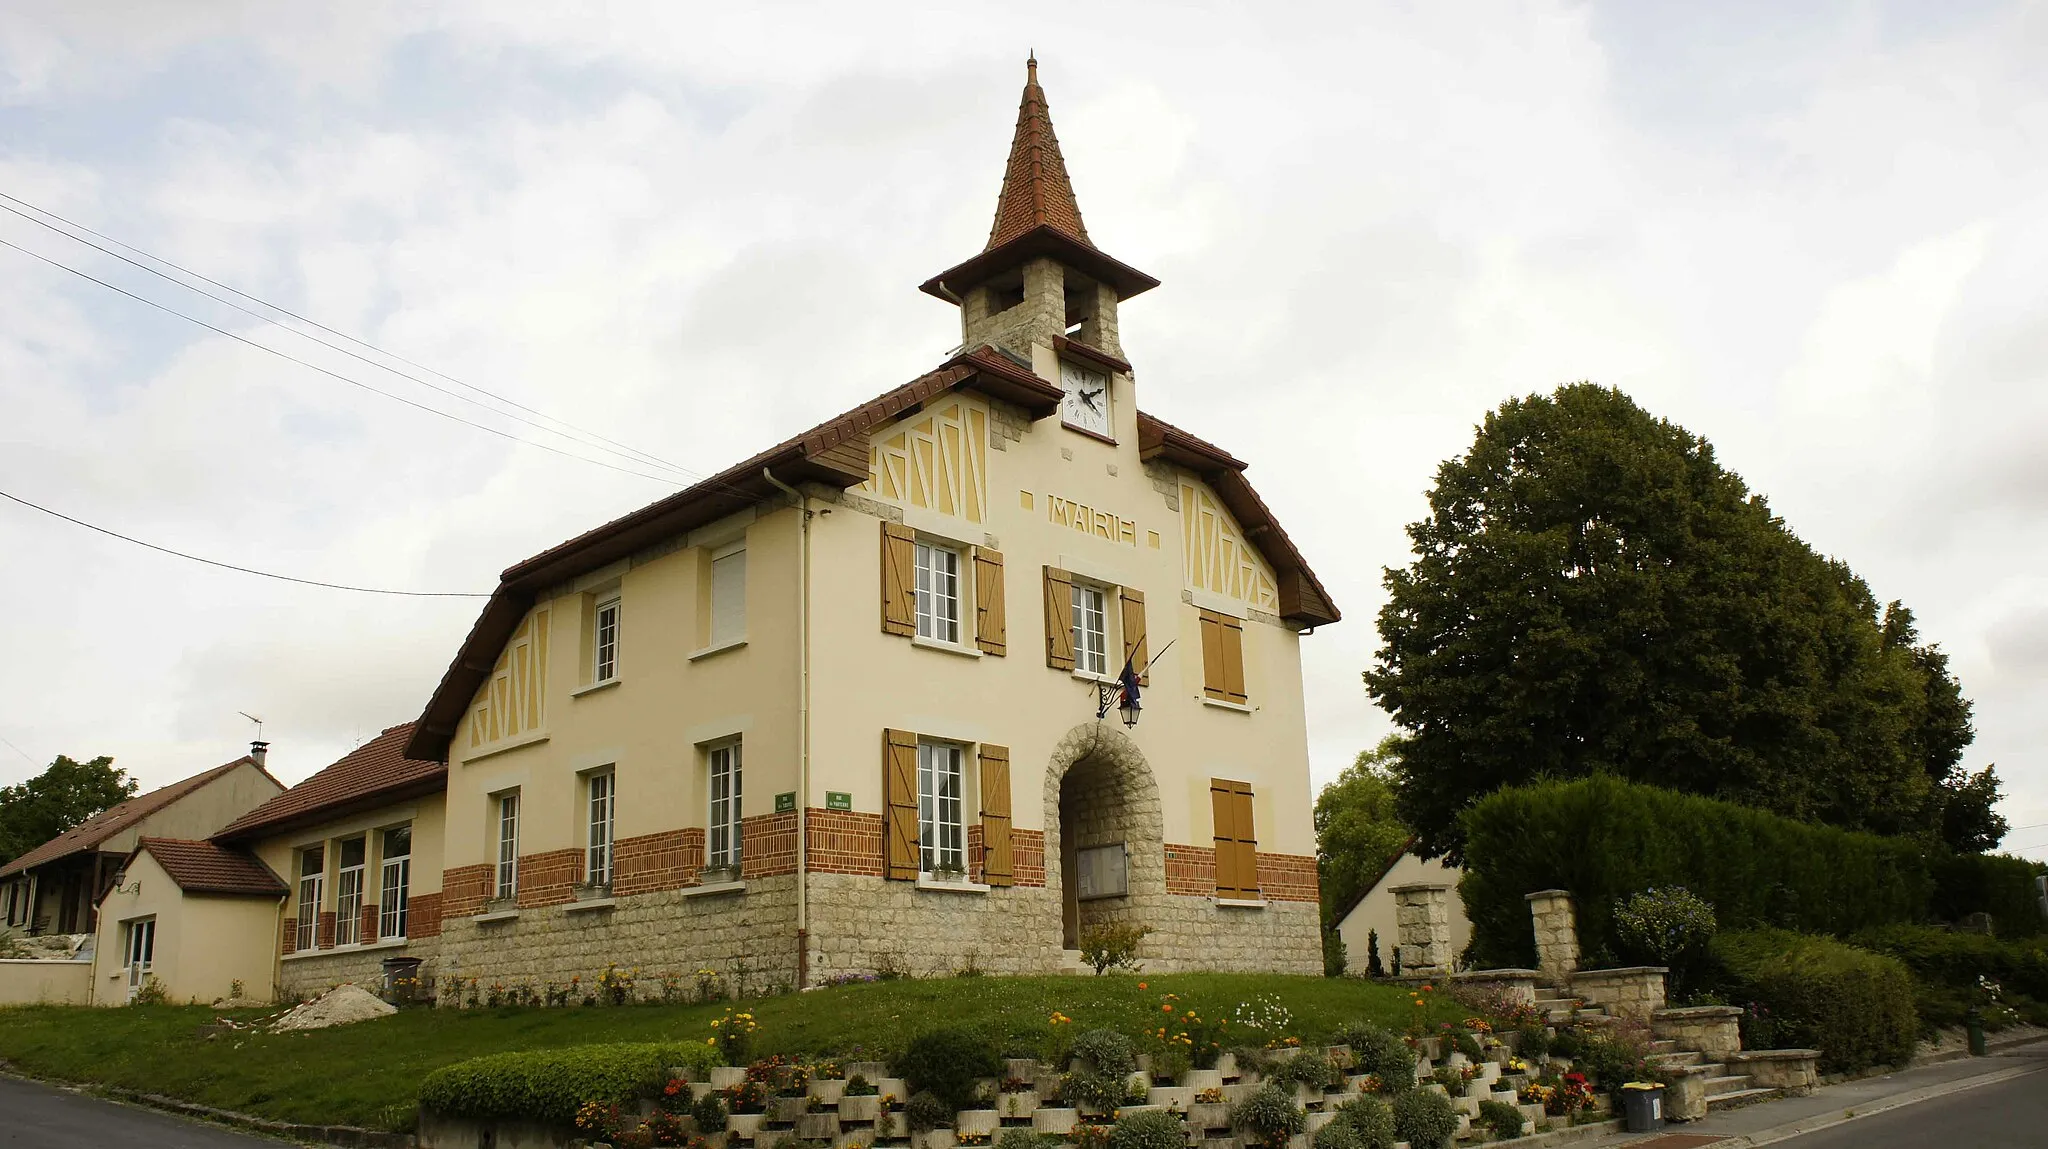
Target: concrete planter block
x: 1018, y: 1104
x: 785, y: 1110
x: 727, y: 1076
x: 743, y: 1126
x: 1137, y: 1083
x: 892, y: 1086
x: 679, y: 1072
x: 1318, y: 1120
x: 855, y: 1139
x: 1340, y: 1054
x: 936, y: 1139
x: 1055, y: 1122
x: 859, y: 1108
x: 1226, y: 1066
x: 817, y: 1126
x: 872, y: 1070
x: 1202, y: 1079
x: 1175, y: 1096
x: 1238, y: 1090
x: 1208, y: 1115
x: 1468, y: 1104
x: 1298, y: 1141
x: 978, y: 1121
x: 1792, y: 1070
x: 1304, y: 1096
x: 828, y: 1089
x: 1533, y: 1114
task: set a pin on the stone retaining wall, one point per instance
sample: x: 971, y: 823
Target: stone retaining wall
x: 315, y: 974
x: 1796, y: 1071
x: 1634, y: 992
x: 1714, y: 1030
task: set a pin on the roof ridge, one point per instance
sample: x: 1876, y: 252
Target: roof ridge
x: 117, y: 817
x: 1036, y: 188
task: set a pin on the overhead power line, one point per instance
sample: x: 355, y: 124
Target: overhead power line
x: 169, y: 310
x: 573, y: 433
x: 243, y: 570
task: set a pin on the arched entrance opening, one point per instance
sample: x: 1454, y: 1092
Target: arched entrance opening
x: 1105, y: 834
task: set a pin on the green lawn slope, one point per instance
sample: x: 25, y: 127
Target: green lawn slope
x: 367, y: 1074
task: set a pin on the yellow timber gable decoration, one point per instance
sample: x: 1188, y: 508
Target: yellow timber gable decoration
x: 937, y: 460
x: 1218, y: 557
x: 514, y: 702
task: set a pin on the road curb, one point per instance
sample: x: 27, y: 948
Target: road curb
x: 341, y: 1136
x: 1793, y: 1129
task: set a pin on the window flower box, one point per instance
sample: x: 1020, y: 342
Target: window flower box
x: 593, y: 891
x: 717, y: 875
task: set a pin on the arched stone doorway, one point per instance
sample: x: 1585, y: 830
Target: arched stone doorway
x: 1100, y: 794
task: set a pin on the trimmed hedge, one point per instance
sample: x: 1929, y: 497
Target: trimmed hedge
x: 1997, y: 884
x: 1604, y: 839
x: 549, y: 1085
x: 1947, y: 964
x: 1855, y: 1006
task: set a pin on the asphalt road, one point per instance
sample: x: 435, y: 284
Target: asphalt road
x: 2010, y: 1113
x: 36, y: 1116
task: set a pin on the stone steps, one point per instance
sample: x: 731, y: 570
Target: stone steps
x: 1740, y: 1098
x: 1674, y: 1058
x: 1725, y: 1082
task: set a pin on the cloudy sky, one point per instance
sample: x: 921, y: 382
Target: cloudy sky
x: 1816, y: 237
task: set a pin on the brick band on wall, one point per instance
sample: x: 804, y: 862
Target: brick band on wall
x: 423, y: 916
x: 768, y: 845
x: 289, y: 943
x: 1191, y: 872
x: 366, y: 927
x: 464, y: 890
x: 548, y: 878
x: 323, y: 933
x: 843, y: 842
x: 664, y: 861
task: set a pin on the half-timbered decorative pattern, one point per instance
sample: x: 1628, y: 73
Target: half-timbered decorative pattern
x: 1218, y: 557
x: 937, y: 460
x: 514, y: 701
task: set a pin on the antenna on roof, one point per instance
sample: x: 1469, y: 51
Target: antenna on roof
x: 258, y: 748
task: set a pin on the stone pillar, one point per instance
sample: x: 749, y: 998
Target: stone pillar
x: 1557, y: 933
x: 1422, y: 914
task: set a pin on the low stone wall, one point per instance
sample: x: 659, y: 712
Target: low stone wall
x: 438, y: 1132
x: 1514, y: 984
x: 314, y: 972
x: 1713, y: 1030
x: 1796, y: 1071
x: 746, y: 936
x: 60, y: 982
x: 1634, y: 992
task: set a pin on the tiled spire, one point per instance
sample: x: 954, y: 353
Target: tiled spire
x: 1036, y: 189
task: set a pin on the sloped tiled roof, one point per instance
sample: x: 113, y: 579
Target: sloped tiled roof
x: 90, y: 833
x: 377, y: 771
x: 1036, y: 189
x: 204, y: 868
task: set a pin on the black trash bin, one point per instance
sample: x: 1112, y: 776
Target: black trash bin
x: 401, y: 979
x: 1642, y: 1110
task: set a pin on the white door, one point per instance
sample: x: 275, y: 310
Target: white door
x: 141, y: 951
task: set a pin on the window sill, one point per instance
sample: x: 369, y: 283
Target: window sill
x: 1240, y: 903
x: 1095, y: 435
x: 495, y: 916
x: 346, y: 948
x: 589, y: 904
x: 927, y: 882
x: 1092, y: 676
x: 945, y: 647
x: 715, y: 888
x: 717, y: 648
x: 523, y: 740
x: 1226, y: 704
x: 594, y: 687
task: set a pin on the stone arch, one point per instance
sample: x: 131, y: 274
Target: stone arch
x: 1098, y: 789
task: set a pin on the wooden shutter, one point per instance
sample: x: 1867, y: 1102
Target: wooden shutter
x: 997, y: 867
x: 1134, y: 631
x: 1223, y: 657
x: 899, y: 581
x: 1059, y: 619
x: 900, y: 854
x: 1237, y: 843
x: 989, y: 614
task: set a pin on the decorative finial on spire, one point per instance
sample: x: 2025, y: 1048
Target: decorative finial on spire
x: 1031, y: 67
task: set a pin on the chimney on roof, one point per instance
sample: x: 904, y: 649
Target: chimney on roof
x: 258, y: 751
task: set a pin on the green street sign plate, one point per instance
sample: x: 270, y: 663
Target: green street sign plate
x: 784, y: 803
x: 838, y: 800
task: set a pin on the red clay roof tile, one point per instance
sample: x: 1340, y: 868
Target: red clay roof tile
x: 111, y: 821
x: 204, y: 868
x: 378, y: 769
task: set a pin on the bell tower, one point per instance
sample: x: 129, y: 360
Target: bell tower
x: 1040, y: 282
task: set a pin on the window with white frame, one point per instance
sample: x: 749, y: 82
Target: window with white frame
x: 348, y: 891
x: 508, y: 844
x: 597, y: 860
x: 941, y: 798
x: 938, y: 592
x: 1091, y: 629
x: 395, y: 888
x: 312, y: 879
x: 729, y: 594
x: 138, y: 953
x: 724, y: 833
x: 605, y: 650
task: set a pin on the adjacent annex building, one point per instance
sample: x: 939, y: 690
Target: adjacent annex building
x: 836, y: 709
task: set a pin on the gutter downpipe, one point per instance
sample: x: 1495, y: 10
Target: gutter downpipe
x: 803, y: 724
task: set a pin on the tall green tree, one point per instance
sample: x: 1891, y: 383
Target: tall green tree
x: 1593, y: 593
x: 62, y: 796
x: 1357, y: 828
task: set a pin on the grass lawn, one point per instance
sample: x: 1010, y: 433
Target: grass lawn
x: 367, y: 1073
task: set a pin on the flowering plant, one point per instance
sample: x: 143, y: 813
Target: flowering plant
x: 1210, y: 1096
x: 599, y: 1120
x: 617, y: 984
x: 746, y: 1097
x: 733, y: 1036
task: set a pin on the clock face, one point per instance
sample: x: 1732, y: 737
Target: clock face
x: 1087, y: 402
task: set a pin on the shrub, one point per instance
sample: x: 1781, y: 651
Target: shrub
x: 1106, y: 1052
x: 1946, y: 966
x: 1668, y: 926
x: 1996, y: 884
x: 1604, y: 839
x: 1532, y: 1042
x: 1310, y: 1069
x: 1023, y: 1137
x: 547, y: 1085
x: 1855, y: 1006
x: 1114, y: 946
x: 1505, y: 1120
x: 946, y: 1063
x: 1268, y: 1116
x: 1333, y: 953
x: 709, y: 1113
x: 1381, y: 1052
x: 1363, y: 1123
x: 924, y: 1112
x: 1425, y: 1119
x: 1149, y: 1129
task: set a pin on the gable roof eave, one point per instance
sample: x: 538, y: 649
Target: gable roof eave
x: 89, y: 834
x: 834, y: 452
